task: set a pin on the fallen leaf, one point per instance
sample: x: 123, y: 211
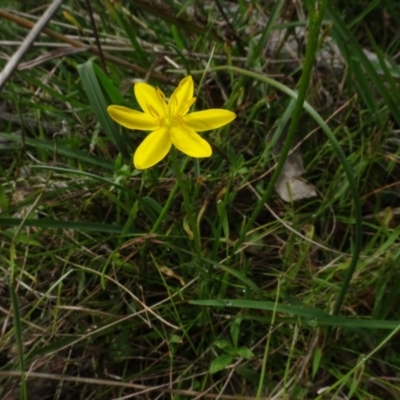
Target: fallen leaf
x: 290, y: 186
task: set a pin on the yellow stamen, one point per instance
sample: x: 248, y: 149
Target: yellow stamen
x: 153, y: 112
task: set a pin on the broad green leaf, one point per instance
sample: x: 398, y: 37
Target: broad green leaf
x: 226, y: 347
x: 222, y: 344
x: 220, y: 363
x: 244, y: 352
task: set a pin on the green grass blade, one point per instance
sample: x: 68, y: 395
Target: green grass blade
x: 56, y: 224
x: 70, y: 97
x: 19, y: 341
x: 130, y: 28
x: 365, y: 11
x: 57, y: 148
x: 99, y: 105
x: 312, y: 316
x: 355, y: 56
x: 315, y: 20
x: 346, y: 166
x: 388, y: 70
x: 261, y: 43
x: 237, y: 274
x: 113, y: 94
x: 70, y: 171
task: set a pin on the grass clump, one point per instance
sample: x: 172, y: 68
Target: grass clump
x: 104, y: 292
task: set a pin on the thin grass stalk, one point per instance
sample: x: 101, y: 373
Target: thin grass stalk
x: 267, y: 344
x: 346, y: 167
x: 167, y: 205
x: 315, y: 20
x: 18, y: 339
x: 316, y: 12
x: 187, y: 203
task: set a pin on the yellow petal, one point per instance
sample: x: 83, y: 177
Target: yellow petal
x: 182, y: 95
x: 153, y: 149
x: 208, y: 119
x: 150, y: 99
x: 189, y: 142
x: 132, y: 119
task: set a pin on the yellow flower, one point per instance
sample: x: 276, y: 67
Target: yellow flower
x: 169, y: 122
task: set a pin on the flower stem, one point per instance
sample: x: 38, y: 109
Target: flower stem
x: 187, y: 203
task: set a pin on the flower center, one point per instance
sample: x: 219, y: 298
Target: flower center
x: 169, y: 121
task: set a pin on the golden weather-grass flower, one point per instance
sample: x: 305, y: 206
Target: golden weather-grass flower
x: 169, y: 123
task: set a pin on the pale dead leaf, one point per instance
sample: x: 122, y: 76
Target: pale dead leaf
x: 295, y: 189
x: 170, y: 273
x: 290, y: 186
